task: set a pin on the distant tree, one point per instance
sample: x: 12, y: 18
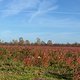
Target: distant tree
x: 49, y: 42
x: 43, y: 43
x: 1, y: 41
x: 21, y: 40
x: 14, y: 41
x: 38, y: 41
x: 27, y: 42
x: 75, y: 44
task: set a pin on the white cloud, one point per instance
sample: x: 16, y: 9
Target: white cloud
x: 35, y: 7
x: 8, y: 35
x: 54, y: 36
x: 17, y: 6
x: 44, y: 7
x: 57, y: 12
x: 5, y: 32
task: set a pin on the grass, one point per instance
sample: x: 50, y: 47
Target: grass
x: 18, y: 71
x: 11, y: 69
x: 29, y: 73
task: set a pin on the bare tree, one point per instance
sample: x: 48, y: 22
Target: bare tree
x: 43, y: 43
x: 38, y: 41
x: 21, y: 40
x: 14, y: 41
x: 27, y: 42
x: 49, y: 42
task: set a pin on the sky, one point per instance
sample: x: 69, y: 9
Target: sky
x: 57, y: 20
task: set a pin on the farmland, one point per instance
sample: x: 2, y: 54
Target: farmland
x: 37, y: 62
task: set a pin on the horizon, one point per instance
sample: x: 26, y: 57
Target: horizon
x: 53, y: 42
x: 56, y: 20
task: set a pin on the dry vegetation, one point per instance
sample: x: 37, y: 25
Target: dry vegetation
x: 39, y: 62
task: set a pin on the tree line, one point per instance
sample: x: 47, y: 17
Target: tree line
x: 21, y: 41
x: 38, y: 41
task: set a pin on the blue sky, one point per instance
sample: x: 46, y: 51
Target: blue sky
x: 58, y: 20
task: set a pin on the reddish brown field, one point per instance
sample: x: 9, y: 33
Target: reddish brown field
x: 46, y: 56
x: 47, y: 52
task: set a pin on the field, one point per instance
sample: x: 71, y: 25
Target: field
x: 39, y: 62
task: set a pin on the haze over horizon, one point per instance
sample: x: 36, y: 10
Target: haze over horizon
x: 58, y: 20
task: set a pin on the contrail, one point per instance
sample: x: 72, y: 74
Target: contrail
x: 34, y: 15
x: 66, y: 12
x: 41, y: 10
x: 52, y: 8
